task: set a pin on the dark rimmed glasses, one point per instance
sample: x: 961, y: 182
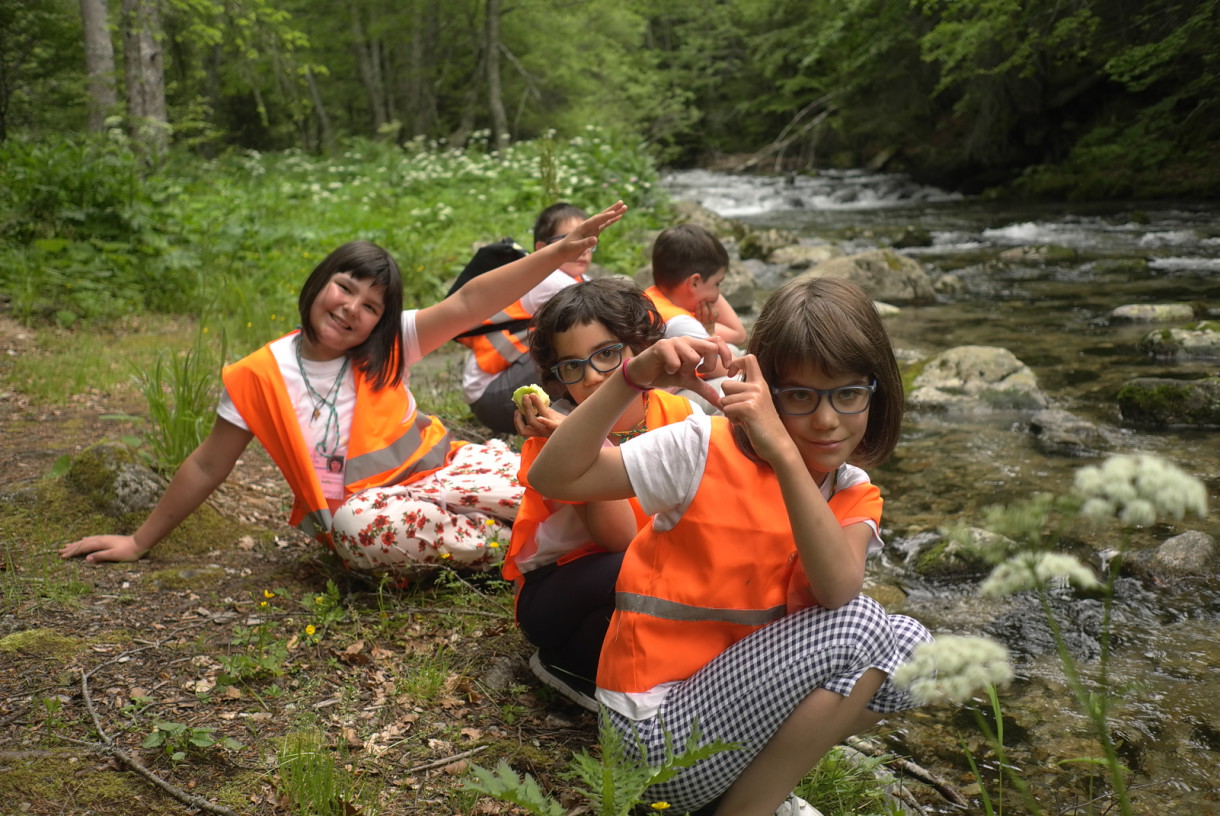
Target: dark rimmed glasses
x: 604, y: 360
x: 554, y: 239
x: 846, y: 399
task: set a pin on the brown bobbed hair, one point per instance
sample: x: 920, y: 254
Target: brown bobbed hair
x: 616, y: 303
x: 380, y: 356
x: 834, y: 325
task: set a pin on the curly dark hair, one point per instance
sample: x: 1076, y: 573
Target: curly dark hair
x: 616, y: 303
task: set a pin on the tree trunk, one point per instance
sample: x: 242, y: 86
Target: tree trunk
x: 495, y: 94
x: 145, y: 73
x: 327, y: 134
x: 370, y: 72
x: 99, y: 63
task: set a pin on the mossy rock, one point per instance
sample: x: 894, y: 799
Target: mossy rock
x: 41, y: 643
x: 111, y: 477
x: 1155, y: 402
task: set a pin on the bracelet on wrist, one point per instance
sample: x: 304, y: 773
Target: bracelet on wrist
x: 643, y: 389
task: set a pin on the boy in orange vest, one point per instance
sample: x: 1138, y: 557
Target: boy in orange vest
x: 688, y: 266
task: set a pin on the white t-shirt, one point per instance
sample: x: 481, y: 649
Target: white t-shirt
x: 685, y: 326
x: 322, y: 378
x: 474, y: 379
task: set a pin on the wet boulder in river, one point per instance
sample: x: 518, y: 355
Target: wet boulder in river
x: 972, y: 378
x: 884, y: 274
x: 1161, y: 402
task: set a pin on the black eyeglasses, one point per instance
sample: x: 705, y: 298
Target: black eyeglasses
x: 604, y: 360
x: 557, y: 238
x: 846, y: 399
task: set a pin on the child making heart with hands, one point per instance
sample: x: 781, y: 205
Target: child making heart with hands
x: 739, y: 609
x: 564, y: 556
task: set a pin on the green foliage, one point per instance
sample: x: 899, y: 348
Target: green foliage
x: 845, y: 784
x: 178, y: 740
x: 316, y: 783
x: 180, y: 390
x: 614, y: 782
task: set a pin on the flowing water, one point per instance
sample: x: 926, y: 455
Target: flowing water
x: 1165, y: 666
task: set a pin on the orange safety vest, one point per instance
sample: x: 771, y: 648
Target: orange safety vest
x: 663, y: 409
x: 724, y: 571
x: 667, y: 308
x: 386, y: 446
x: 496, y: 351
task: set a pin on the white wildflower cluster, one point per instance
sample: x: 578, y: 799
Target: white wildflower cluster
x: 1139, y: 490
x: 953, y: 668
x: 1030, y: 570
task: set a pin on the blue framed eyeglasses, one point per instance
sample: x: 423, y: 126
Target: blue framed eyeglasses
x: 846, y: 399
x: 604, y: 360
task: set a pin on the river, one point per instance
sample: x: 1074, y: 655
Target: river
x: 1054, y: 318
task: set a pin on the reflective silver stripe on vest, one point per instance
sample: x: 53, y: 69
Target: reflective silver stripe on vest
x: 505, y: 347
x: 672, y: 610
x: 319, y: 521
x: 391, y: 457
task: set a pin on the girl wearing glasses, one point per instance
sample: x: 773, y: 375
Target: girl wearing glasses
x: 738, y: 610
x: 564, y: 557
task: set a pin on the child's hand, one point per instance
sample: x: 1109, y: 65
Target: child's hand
x: 706, y: 313
x: 104, y: 548
x: 748, y: 402
x: 535, y: 419
x: 584, y: 237
x: 675, y: 361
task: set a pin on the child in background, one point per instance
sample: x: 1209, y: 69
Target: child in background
x: 337, y: 392
x: 739, y: 609
x: 499, y: 362
x: 688, y: 266
x: 564, y: 557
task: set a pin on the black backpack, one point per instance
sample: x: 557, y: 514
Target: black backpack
x: 487, y: 258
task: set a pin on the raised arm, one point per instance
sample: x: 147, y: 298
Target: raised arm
x: 574, y: 465
x: 500, y: 287
x: 196, y: 479
x: 832, y: 555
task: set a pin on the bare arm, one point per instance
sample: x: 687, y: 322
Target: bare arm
x: 611, y: 524
x: 574, y: 465
x: 832, y: 555
x: 500, y: 287
x: 196, y: 479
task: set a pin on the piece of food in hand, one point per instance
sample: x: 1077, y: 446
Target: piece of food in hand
x: 519, y: 395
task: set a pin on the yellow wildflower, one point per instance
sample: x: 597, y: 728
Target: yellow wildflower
x: 310, y: 630
x: 262, y: 604
x: 268, y: 593
x: 660, y: 805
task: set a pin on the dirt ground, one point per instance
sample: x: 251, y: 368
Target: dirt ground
x: 409, y: 686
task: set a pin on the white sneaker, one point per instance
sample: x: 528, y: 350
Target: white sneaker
x: 555, y: 681
x: 796, y: 806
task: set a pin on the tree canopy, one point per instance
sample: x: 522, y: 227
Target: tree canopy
x: 967, y: 94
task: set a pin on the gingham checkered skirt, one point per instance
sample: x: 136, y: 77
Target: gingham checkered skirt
x: 745, y: 693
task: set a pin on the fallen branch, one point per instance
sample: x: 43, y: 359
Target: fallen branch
x: 131, y: 762
x: 440, y: 763
x: 910, y: 769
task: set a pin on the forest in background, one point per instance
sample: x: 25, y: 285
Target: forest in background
x: 1070, y: 99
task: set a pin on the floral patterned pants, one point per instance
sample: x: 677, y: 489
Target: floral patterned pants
x: 455, y: 516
